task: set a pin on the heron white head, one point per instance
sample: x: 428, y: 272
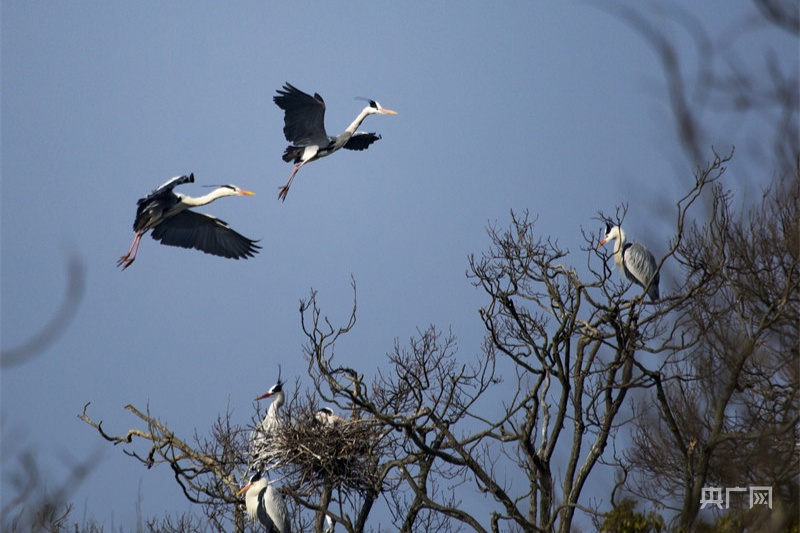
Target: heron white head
x: 326, y: 417
x: 275, y: 390
x: 613, y: 232
x: 374, y: 107
x: 256, y: 481
x: 265, y: 504
x: 234, y: 190
x: 224, y: 190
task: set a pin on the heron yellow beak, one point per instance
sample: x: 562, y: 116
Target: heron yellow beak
x: 243, y: 490
x: 246, y: 193
x: 388, y: 111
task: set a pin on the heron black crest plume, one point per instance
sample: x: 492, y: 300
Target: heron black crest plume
x: 370, y: 101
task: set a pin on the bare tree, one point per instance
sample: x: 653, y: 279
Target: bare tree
x: 730, y: 417
x: 569, y: 348
x: 708, y: 374
x: 207, y: 469
x: 561, y: 353
x: 724, y: 408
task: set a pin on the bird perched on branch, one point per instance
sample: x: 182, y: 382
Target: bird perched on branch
x: 262, y: 449
x: 278, y: 396
x: 173, y: 222
x: 636, y: 262
x: 304, y: 127
x: 265, y: 504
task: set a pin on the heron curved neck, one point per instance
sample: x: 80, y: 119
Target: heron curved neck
x: 619, y: 245
x: 351, y: 129
x: 254, y: 495
x: 191, y: 201
x: 342, y: 139
x: 276, y: 404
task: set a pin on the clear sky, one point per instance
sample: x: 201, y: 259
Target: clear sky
x: 557, y: 108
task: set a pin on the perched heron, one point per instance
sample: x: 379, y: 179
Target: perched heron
x: 636, y: 262
x: 275, y: 392
x: 304, y: 127
x: 173, y: 223
x: 262, y: 434
x: 265, y: 504
x: 326, y: 417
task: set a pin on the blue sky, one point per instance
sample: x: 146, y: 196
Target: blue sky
x: 557, y: 109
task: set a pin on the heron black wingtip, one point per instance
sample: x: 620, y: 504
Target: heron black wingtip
x: 286, y: 90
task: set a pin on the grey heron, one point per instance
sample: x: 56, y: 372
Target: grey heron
x: 278, y: 398
x: 636, y: 262
x: 304, y: 127
x: 260, y: 440
x: 326, y: 417
x: 173, y: 222
x: 265, y: 504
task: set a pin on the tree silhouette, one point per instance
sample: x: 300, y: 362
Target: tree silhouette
x: 419, y: 434
x: 724, y: 409
x: 578, y: 374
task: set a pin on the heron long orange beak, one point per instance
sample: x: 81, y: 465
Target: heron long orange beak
x: 246, y: 193
x: 601, y: 243
x: 265, y: 395
x: 243, y: 490
x: 388, y: 111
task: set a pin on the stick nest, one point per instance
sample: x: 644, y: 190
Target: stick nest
x: 343, y: 455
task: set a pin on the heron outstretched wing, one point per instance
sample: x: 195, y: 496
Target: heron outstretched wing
x: 190, y: 229
x: 172, y: 183
x: 361, y: 140
x: 304, y: 116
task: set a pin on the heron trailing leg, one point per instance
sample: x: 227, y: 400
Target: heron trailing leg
x: 285, y: 189
x: 128, y: 259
